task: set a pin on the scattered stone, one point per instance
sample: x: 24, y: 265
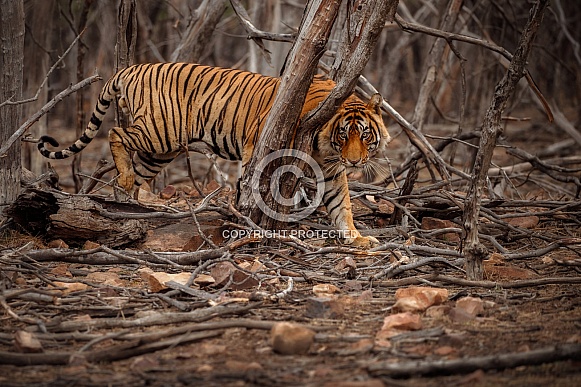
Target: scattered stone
x: 418, y: 298
x: 106, y: 278
x: 429, y: 224
x: 291, y: 339
x: 61, y: 270
x: 524, y: 221
x: 325, y: 290
x: 403, y: 321
x: 157, y: 280
x: 70, y: 287
x: 168, y: 192
x: 57, y: 244
x: 356, y: 383
x: 347, y: 267
x: 27, y: 342
x: 144, y: 364
x: 445, y: 351
x: 204, y: 280
x: 359, y: 347
x: 325, y: 307
x: 204, y: 368
x: 472, y: 305
x: 224, y: 271
x: 438, y: 311
x: 459, y: 315
x: 90, y: 245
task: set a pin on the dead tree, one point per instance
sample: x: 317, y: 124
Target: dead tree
x: 11, y: 71
x: 491, y: 128
x: 359, y: 38
x: 300, y: 68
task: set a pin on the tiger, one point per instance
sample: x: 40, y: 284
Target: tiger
x: 171, y: 105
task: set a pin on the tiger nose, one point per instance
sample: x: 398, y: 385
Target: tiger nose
x: 350, y: 160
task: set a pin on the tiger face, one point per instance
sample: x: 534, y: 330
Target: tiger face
x: 354, y: 135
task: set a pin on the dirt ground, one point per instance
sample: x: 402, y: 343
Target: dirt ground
x: 116, y: 330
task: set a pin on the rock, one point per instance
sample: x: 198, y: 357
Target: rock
x: 418, y: 298
x: 88, y: 245
x: 223, y: 271
x: 57, y: 244
x: 325, y: 290
x: 291, y: 339
x: 70, y: 287
x: 524, y: 221
x: 438, y: 311
x: 61, y: 270
x: 472, y: 305
x: 429, y: 224
x: 459, y: 315
x: 403, y: 321
x: 157, y: 280
x: 26, y: 342
x: 325, y: 307
x: 168, y: 192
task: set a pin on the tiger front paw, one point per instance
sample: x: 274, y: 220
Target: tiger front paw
x: 364, y: 242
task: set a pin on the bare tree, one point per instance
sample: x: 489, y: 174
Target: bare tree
x: 357, y: 43
x: 11, y: 71
x: 491, y: 129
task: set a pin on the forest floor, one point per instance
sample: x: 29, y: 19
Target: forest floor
x: 95, y: 315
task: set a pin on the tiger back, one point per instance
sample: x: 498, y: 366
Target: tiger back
x: 172, y: 105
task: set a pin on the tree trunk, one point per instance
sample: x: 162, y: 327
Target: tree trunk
x: 199, y: 32
x: 81, y: 114
x: 11, y: 64
x: 363, y: 25
x: 37, y: 64
x: 299, y: 70
x: 491, y: 128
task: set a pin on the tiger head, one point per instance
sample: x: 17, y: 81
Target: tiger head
x: 354, y: 135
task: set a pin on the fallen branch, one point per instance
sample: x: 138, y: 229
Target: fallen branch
x: 45, y: 109
x: 493, y: 362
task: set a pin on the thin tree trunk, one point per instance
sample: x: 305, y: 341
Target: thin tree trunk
x: 491, y: 128
x: 80, y: 125
x: 199, y: 31
x: 36, y: 61
x: 11, y: 72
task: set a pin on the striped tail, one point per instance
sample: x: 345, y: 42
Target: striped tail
x: 107, y: 95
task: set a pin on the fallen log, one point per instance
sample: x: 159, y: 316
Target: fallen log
x: 76, y: 218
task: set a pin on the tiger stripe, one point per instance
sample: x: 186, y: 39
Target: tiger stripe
x: 172, y: 105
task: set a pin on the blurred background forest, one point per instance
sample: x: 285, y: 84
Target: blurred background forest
x: 397, y: 68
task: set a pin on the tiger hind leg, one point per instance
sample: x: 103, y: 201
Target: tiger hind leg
x: 147, y: 165
x: 122, y: 158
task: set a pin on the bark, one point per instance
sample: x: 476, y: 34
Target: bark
x: 36, y: 61
x: 125, y: 45
x: 75, y: 219
x: 491, y: 128
x: 434, y: 62
x: 360, y: 35
x: 199, y: 32
x: 11, y: 73
x: 81, y: 114
x: 281, y: 122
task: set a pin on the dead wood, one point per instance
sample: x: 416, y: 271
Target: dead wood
x: 550, y: 354
x: 74, y: 218
x: 300, y: 68
x: 116, y: 352
x: 491, y: 129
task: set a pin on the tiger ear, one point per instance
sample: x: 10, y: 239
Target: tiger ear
x: 375, y: 102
